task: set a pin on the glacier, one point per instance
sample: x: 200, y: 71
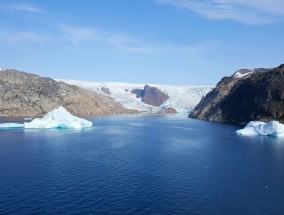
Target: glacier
x: 272, y: 128
x: 58, y: 118
x: 182, y: 98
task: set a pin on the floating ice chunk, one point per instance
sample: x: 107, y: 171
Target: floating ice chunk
x: 272, y: 128
x: 28, y: 119
x: 11, y: 125
x: 59, y: 118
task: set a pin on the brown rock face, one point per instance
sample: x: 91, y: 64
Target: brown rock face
x: 257, y: 96
x: 151, y: 95
x: 170, y: 110
x: 24, y: 94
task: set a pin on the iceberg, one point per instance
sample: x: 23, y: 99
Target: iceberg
x: 59, y: 118
x: 272, y: 128
x: 11, y: 125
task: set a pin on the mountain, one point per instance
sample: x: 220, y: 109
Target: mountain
x: 24, y: 94
x: 245, y: 96
x: 151, y: 98
x: 151, y: 95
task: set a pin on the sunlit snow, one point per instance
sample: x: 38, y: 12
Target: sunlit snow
x: 58, y: 118
x: 241, y: 75
x: 182, y: 98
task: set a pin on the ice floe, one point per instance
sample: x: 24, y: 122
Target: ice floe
x: 272, y: 128
x: 11, y: 125
x: 58, y: 118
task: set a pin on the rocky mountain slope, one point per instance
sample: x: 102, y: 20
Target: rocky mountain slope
x: 245, y: 96
x: 181, y: 98
x: 151, y: 95
x: 24, y: 94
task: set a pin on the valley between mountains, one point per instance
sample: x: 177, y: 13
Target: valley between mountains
x: 245, y: 96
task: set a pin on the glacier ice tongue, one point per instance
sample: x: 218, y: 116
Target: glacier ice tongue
x: 59, y: 118
x: 272, y: 128
x: 182, y: 98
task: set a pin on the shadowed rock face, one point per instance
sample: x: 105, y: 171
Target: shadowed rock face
x: 151, y: 95
x: 24, y: 94
x: 106, y: 90
x: 137, y: 92
x: 255, y: 96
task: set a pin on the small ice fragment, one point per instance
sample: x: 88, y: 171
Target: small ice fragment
x: 11, y: 125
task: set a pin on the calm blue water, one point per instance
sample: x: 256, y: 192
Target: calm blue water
x: 141, y: 165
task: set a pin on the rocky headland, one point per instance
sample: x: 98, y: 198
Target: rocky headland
x: 24, y: 94
x: 245, y: 96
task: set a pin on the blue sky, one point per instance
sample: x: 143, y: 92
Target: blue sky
x: 177, y: 42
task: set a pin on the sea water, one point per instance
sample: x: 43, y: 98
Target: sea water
x: 140, y: 164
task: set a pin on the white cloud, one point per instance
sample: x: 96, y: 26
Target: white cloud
x: 16, y: 37
x: 78, y: 35
x: 124, y: 43
x: 27, y: 8
x: 117, y: 41
x: 129, y: 44
x: 92, y: 37
x: 253, y: 12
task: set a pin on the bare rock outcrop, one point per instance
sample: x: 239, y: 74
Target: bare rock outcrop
x: 151, y: 95
x: 106, y: 90
x: 247, y: 95
x: 24, y: 94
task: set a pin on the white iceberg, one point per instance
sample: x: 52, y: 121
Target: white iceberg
x: 11, y: 125
x: 272, y: 128
x: 59, y: 118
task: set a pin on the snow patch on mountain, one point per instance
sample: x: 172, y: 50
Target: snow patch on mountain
x: 242, y: 73
x: 182, y: 98
x: 247, y: 72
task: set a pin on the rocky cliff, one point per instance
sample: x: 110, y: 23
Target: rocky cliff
x: 24, y: 94
x: 247, y: 95
x: 151, y: 95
